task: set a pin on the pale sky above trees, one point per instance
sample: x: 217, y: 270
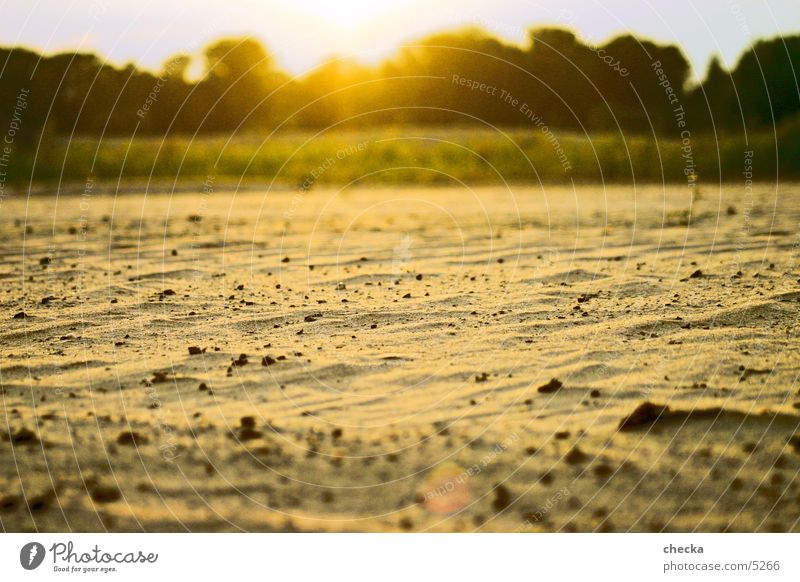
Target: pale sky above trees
x: 303, y: 33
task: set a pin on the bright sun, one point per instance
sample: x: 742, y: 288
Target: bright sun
x: 349, y: 13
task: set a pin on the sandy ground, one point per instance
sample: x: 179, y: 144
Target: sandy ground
x: 383, y: 360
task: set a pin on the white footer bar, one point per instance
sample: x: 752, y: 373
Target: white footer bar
x: 400, y: 557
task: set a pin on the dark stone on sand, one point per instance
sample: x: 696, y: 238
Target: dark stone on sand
x: 795, y: 442
x: 285, y: 260
x: 603, y: 470
x: 576, y: 456
x: 502, y: 498
x: 646, y: 413
x: 248, y: 422
x: 553, y: 385
x: 249, y: 434
x: 407, y: 296
x: 562, y: 435
x: 159, y: 377
x: 202, y: 386
x: 41, y: 502
x: 45, y: 261
x: 242, y: 361
x: 131, y: 438
x: 21, y: 315
x: 696, y: 275
x: 9, y: 503
x: 195, y: 350
x: 419, y: 277
x: 336, y: 433
x: 105, y: 494
x: 310, y: 318
x: 24, y: 436
x: 167, y: 292
x: 267, y: 361
x: 595, y: 393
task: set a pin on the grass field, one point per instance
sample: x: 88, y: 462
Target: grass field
x: 403, y: 155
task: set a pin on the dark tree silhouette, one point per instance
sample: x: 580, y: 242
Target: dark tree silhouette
x: 465, y: 76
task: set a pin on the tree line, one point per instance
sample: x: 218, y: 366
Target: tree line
x: 468, y: 76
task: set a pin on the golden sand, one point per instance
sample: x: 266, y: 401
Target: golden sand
x: 370, y: 360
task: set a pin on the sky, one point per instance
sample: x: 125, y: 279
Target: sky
x: 303, y: 33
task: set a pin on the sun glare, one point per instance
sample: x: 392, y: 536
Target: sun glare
x: 348, y: 13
